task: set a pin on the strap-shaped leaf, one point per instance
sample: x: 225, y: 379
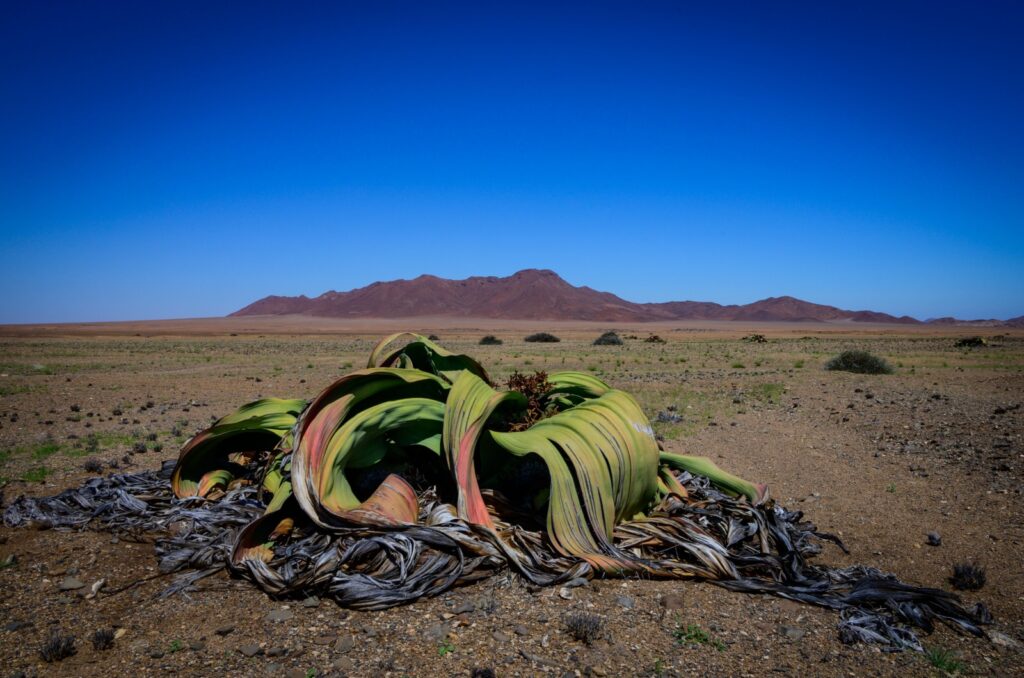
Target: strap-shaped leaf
x: 470, y: 404
x: 423, y: 354
x: 576, y: 383
x: 603, y: 463
x: 702, y: 466
x: 209, y: 461
x: 333, y: 441
x: 372, y: 385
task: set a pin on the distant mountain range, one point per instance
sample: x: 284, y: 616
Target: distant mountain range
x: 535, y: 294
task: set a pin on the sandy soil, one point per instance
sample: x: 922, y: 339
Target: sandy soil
x: 880, y: 460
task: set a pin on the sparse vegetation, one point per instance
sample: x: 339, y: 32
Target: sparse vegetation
x: 542, y: 338
x: 860, y: 362
x: 93, y: 466
x: 490, y: 340
x: 103, y: 639
x: 654, y: 339
x: 944, y: 660
x: 971, y: 342
x: 694, y: 634
x: 36, y: 474
x: 584, y: 627
x: 967, y: 577
x: 756, y: 339
x: 769, y: 393
x: 57, y: 647
x: 608, y: 339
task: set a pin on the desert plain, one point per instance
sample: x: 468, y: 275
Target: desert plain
x: 880, y: 460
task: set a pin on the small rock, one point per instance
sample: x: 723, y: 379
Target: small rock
x: 501, y: 636
x: 224, y: 630
x: 16, y: 625
x: 934, y: 539
x: 344, y: 664
x: 1002, y: 639
x: 595, y: 671
x: 565, y: 593
x: 312, y: 601
x: 521, y: 630
x: 295, y: 673
x: 71, y: 584
x: 792, y: 632
x: 673, y: 601
x: 197, y: 645
x: 625, y: 601
x: 465, y: 608
x: 578, y: 581
x: 250, y: 650
x: 95, y: 588
x: 344, y: 644
x: 435, y: 633
x: 323, y: 640
x: 156, y: 654
x: 280, y: 615
x: 277, y: 652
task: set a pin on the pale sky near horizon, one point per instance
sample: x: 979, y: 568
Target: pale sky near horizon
x: 183, y: 159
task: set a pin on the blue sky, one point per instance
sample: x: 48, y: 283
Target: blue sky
x: 181, y: 159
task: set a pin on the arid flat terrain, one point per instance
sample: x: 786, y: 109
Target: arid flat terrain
x: 879, y: 460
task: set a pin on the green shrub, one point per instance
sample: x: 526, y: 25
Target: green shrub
x: 860, y: 362
x: 490, y: 340
x: 608, y: 339
x: 971, y: 342
x: 542, y: 338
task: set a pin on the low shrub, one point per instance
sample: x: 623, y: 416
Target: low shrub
x: 584, y: 627
x: 490, y: 340
x: 542, y: 338
x: 103, y: 639
x: 57, y: 647
x: 971, y: 342
x: 860, y: 362
x: 654, y: 339
x: 967, y: 577
x: 608, y: 339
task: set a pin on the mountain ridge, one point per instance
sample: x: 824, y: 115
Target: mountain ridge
x: 539, y: 294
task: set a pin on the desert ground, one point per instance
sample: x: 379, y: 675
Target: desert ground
x: 879, y: 460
